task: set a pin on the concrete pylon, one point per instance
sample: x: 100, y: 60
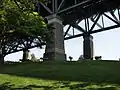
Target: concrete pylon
x: 55, y: 50
x: 25, y: 55
x: 88, y: 46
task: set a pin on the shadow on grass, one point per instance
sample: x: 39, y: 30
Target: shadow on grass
x: 83, y: 72
x: 65, y: 85
x: 9, y: 86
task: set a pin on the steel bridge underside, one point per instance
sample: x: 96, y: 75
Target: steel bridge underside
x: 73, y: 12
x: 91, y: 11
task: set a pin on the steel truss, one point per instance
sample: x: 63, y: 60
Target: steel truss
x: 90, y: 24
x: 75, y: 11
x: 72, y: 10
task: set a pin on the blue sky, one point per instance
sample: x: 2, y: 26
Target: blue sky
x: 106, y: 44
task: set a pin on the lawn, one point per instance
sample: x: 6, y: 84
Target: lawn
x: 83, y: 75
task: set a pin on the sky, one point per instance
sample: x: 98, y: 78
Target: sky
x: 106, y: 44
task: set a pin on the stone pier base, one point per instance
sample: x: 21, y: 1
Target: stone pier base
x: 55, y: 50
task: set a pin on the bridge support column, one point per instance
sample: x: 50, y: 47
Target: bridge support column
x: 88, y: 47
x: 25, y: 55
x: 55, y: 50
x: 1, y: 59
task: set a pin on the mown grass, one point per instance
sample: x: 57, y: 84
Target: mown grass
x: 84, y: 75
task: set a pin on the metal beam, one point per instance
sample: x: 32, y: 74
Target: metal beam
x: 92, y: 32
x: 69, y: 35
x: 105, y: 29
x: 77, y: 27
x: 103, y: 21
x: 94, y: 23
x: 70, y: 27
x: 46, y: 8
x: 86, y: 29
x: 112, y: 13
x: 67, y: 31
x: 118, y: 23
x: 61, y: 4
x: 79, y: 35
x: 74, y: 6
x: 75, y: 1
x: 119, y: 14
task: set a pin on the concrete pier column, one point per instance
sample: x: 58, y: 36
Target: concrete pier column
x: 25, y: 55
x: 55, y: 50
x: 88, y: 47
x: 1, y: 59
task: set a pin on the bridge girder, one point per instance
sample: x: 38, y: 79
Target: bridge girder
x: 98, y: 20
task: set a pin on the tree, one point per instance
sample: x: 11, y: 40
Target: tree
x: 19, y: 24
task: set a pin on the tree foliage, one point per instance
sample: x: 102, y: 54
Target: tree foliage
x: 19, y: 24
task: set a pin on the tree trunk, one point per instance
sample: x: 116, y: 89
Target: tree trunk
x: 1, y: 59
x: 25, y: 55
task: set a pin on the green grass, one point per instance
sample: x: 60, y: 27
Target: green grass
x: 84, y: 75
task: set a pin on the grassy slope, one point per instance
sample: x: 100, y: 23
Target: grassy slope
x: 85, y: 75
